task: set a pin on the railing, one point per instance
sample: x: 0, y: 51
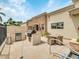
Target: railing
x: 61, y: 56
x: 2, y: 47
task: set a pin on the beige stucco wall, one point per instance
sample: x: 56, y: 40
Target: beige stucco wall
x: 75, y: 19
x: 69, y: 30
x: 11, y: 30
x: 38, y: 20
x: 76, y: 3
x: 24, y: 29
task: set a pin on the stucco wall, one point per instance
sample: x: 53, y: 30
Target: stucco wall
x: 24, y: 29
x: 39, y: 20
x: 11, y: 30
x: 76, y: 3
x: 69, y: 28
x: 75, y: 19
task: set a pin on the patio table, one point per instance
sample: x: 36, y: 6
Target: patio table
x: 51, y: 39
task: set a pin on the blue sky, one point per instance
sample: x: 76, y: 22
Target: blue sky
x: 22, y: 10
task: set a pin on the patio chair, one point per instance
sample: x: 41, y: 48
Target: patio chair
x: 61, y: 39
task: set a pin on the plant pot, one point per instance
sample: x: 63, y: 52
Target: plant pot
x: 44, y: 39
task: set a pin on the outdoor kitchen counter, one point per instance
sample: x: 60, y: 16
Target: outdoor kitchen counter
x: 51, y: 39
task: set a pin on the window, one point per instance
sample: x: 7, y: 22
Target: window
x: 36, y: 27
x: 42, y: 26
x: 53, y: 25
x: 59, y: 25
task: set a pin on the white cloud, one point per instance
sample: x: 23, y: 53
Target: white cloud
x: 56, y: 4
x: 17, y: 9
x: 22, y: 10
x: 50, y: 3
x: 17, y: 2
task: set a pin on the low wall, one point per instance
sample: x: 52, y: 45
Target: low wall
x: 2, y: 46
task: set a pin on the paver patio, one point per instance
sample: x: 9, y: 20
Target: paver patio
x: 24, y: 48
x: 28, y: 51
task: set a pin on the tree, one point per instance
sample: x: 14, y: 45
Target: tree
x: 18, y: 23
x: 12, y: 22
x: 9, y: 22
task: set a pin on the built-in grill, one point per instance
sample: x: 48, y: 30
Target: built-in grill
x: 30, y: 33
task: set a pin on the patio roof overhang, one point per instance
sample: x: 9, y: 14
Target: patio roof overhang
x: 74, y: 11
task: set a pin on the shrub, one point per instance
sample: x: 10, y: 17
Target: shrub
x: 45, y: 34
x: 78, y: 40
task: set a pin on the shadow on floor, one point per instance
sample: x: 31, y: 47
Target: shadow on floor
x: 42, y: 42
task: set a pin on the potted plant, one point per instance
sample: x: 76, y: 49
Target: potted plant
x: 78, y: 40
x: 44, y: 36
